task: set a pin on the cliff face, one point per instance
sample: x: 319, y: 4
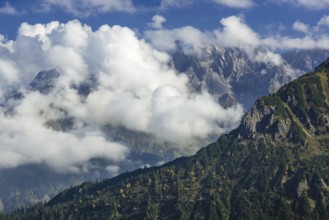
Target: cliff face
x: 275, y: 165
x: 301, y: 105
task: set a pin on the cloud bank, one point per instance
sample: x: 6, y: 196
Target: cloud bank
x: 86, y: 8
x: 235, y: 32
x: 228, y: 3
x: 131, y: 85
x: 235, y: 3
x: 165, y: 4
x: 314, y: 4
x: 242, y: 4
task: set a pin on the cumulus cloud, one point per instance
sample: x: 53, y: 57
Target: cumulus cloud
x: 301, y: 27
x: 131, y: 85
x: 324, y: 21
x: 8, y: 9
x: 157, y: 22
x: 187, y: 116
x: 237, y: 33
x: 25, y: 140
x: 88, y: 7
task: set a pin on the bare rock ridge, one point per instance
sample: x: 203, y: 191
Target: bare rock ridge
x: 231, y: 71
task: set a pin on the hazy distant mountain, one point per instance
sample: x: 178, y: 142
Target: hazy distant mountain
x: 29, y: 184
x: 273, y: 166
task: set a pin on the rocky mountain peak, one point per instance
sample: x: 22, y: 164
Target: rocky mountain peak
x: 297, y: 113
x: 44, y: 81
x: 231, y: 70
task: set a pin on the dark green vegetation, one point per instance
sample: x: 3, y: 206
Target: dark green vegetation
x: 275, y: 165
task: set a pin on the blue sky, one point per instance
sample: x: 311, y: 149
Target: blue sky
x: 264, y: 17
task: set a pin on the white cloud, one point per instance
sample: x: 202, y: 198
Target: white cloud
x: 25, y: 140
x: 301, y: 27
x: 236, y: 33
x: 235, y: 3
x: 324, y: 21
x: 190, y: 38
x: 85, y: 8
x: 38, y: 30
x: 157, y: 22
x: 8, y: 76
x: 316, y: 31
x: 318, y: 4
x: 187, y: 116
x: 173, y: 3
x: 314, y: 4
x: 134, y: 87
x: 8, y: 72
x: 8, y: 9
x: 307, y: 42
x: 228, y: 3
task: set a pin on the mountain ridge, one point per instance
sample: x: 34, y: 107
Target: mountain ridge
x: 275, y: 165
x: 214, y: 70
x: 230, y: 70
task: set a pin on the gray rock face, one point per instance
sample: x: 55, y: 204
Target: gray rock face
x: 227, y: 100
x: 45, y: 81
x: 231, y: 71
x: 254, y: 118
x: 305, y: 60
